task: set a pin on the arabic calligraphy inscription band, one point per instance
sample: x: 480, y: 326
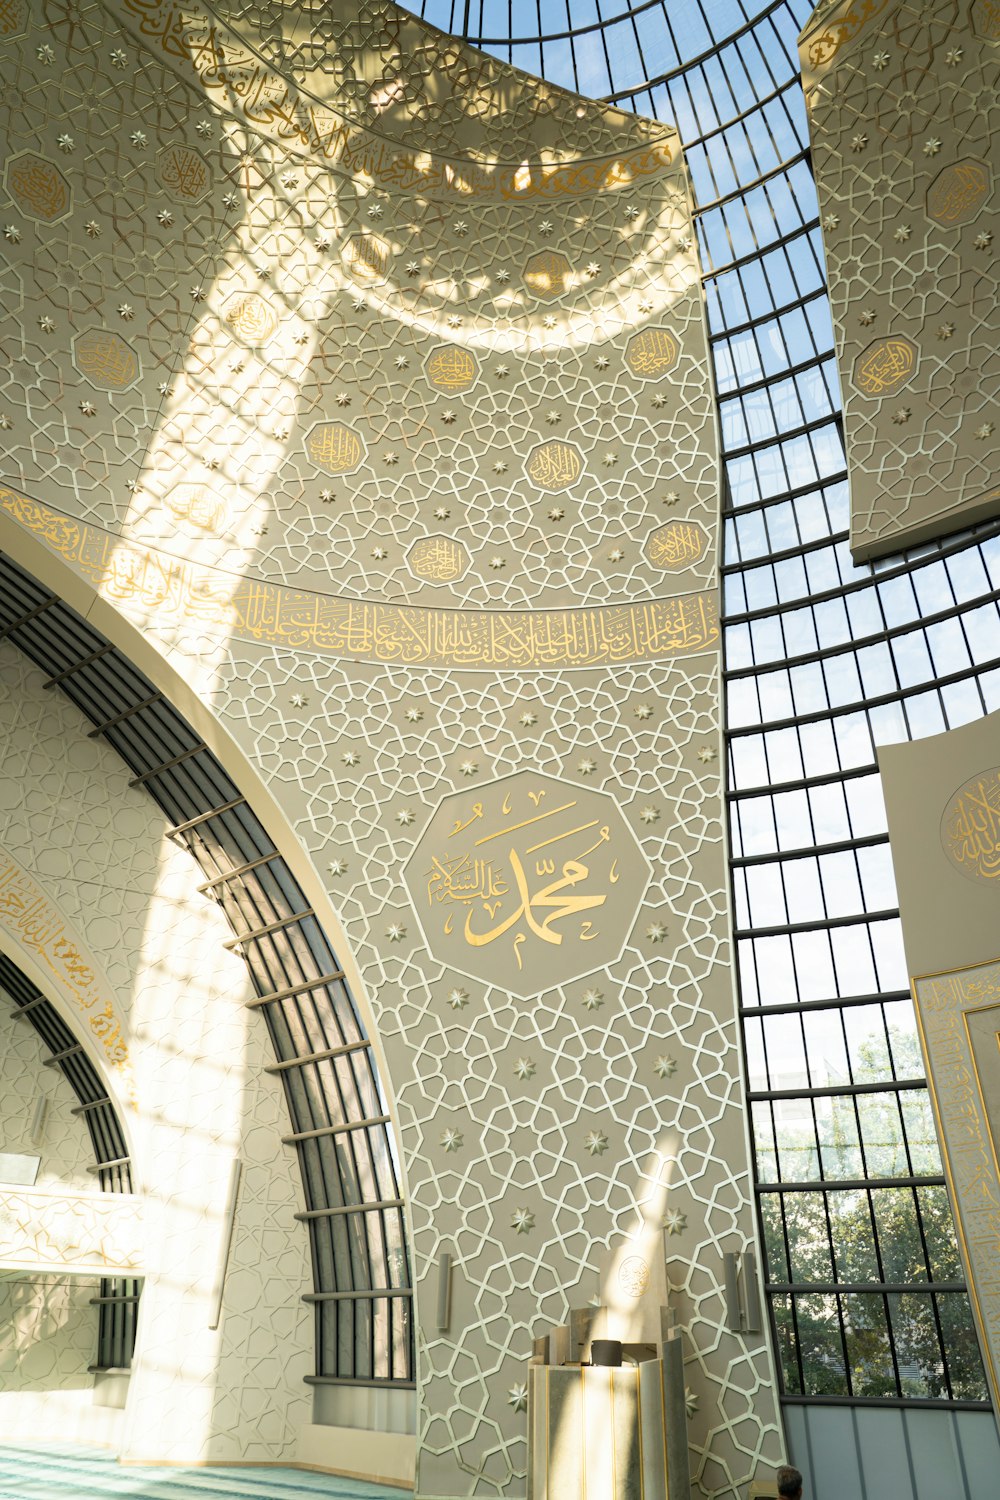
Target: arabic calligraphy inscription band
x: 362, y: 630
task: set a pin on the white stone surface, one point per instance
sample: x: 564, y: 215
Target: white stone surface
x: 64, y: 1145
x: 126, y: 895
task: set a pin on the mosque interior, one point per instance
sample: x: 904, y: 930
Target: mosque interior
x: 499, y: 749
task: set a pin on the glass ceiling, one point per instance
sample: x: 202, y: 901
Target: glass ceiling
x: 597, y: 47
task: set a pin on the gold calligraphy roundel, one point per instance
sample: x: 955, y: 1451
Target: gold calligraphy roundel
x: 13, y: 18
x: 335, y: 448
x: 451, y: 369
x: 197, y: 506
x: 547, y: 273
x: 885, y: 366
x: 985, y: 18
x: 958, y: 192
x: 251, y: 318
x: 37, y: 187
x: 108, y: 362
x: 676, y: 545
x: 183, y: 173
x: 970, y: 827
x: 652, y: 353
x: 554, y: 466
x: 633, y: 1276
x: 527, y: 883
x: 367, y: 258
x: 438, y: 559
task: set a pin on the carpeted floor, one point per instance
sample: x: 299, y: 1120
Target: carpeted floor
x: 81, y: 1474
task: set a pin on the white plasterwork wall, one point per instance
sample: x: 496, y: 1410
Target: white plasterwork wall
x: 126, y: 894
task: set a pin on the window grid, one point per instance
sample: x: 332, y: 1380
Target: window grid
x: 825, y: 660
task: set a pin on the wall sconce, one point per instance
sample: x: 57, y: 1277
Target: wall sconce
x: 444, y: 1292
x: 742, y: 1291
x: 39, y: 1119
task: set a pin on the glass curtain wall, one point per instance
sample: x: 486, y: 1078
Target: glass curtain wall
x: 824, y: 661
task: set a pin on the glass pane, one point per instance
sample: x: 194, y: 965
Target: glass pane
x: 882, y: 1135
x: 867, y: 1044
x: 825, y: 1047
x: 775, y: 1258
x: 785, y: 1052
x: 868, y: 1348
x: 939, y: 1234
x: 808, y: 1237
x: 788, y: 1343
x: 853, y: 1237
x: 820, y: 1345
x: 918, y: 1347
x: 899, y: 1239
x: 901, y: 1024
x: 968, y: 1380
x: 764, y: 1148
x: 793, y: 1128
x: 921, y: 1134
x: 838, y: 1135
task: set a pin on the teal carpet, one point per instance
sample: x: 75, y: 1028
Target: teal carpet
x: 82, y: 1474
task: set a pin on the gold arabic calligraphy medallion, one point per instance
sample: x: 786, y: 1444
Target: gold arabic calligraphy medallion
x: 970, y: 828
x: 885, y: 366
x: 527, y: 883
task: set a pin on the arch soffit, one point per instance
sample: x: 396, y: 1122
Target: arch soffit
x: 169, y: 679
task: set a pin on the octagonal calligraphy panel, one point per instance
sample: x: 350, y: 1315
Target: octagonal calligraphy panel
x: 676, y: 545
x: 107, y: 361
x: 652, y: 353
x: 885, y: 366
x: 37, y: 187
x: 527, y: 883
x: 554, y: 465
x: 335, y: 448
x: 251, y: 318
x: 958, y: 192
x: 451, y: 369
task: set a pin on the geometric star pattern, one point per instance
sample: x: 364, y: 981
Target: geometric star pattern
x: 906, y: 174
x: 264, y: 280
